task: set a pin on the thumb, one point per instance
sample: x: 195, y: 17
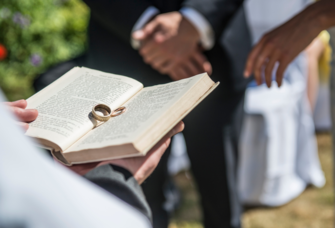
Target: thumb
x: 25, y: 115
x: 145, y: 32
x: 19, y: 104
x: 203, y: 63
x: 160, y: 37
x: 139, y: 35
x: 178, y: 128
x: 208, y: 67
x: 25, y: 126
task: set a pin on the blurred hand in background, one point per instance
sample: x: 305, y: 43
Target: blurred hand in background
x: 170, y: 44
x: 284, y: 43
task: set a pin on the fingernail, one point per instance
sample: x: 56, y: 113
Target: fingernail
x: 32, y: 111
x: 246, y: 74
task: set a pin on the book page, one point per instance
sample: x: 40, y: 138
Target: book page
x: 142, y: 110
x: 64, y: 107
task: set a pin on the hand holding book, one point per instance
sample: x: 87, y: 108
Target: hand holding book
x: 18, y: 108
x: 66, y: 125
x: 140, y: 167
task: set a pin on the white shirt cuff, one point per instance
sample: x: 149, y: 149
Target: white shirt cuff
x: 205, y: 30
x: 141, y: 22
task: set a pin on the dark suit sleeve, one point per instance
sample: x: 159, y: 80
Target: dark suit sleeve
x: 217, y: 12
x: 120, y: 182
x: 118, y: 16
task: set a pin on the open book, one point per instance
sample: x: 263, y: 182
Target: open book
x: 65, y: 124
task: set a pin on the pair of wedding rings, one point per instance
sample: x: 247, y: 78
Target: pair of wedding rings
x: 106, y: 111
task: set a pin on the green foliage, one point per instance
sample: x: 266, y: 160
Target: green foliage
x: 38, y: 34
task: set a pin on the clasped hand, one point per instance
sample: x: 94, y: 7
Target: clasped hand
x: 170, y: 44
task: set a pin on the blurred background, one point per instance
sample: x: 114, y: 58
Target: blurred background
x: 37, y: 34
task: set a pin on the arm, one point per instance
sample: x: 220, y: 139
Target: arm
x: 121, y: 183
x: 170, y: 44
x: 122, y: 177
x: 313, y: 53
x: 41, y: 193
x: 284, y: 43
x: 118, y: 16
x: 216, y: 12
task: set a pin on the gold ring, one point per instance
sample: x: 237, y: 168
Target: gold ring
x: 104, y: 109
x: 118, y: 111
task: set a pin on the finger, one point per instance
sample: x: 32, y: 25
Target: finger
x: 192, y: 68
x: 198, y: 61
x: 178, y: 128
x: 156, y: 60
x: 281, y: 70
x: 138, y: 35
x: 164, y: 66
x: 149, y: 49
x: 146, y: 31
x: 269, y: 68
x: 151, y: 27
x: 25, y: 115
x: 173, y: 75
x: 181, y: 73
x: 202, y: 62
x: 159, y: 148
x: 261, y: 61
x: 152, y: 56
x: 19, y: 104
x: 160, y: 36
x: 249, y: 66
x: 24, y: 126
x: 208, y: 67
x: 166, y: 139
x: 169, y: 68
x: 149, y: 162
x: 159, y: 63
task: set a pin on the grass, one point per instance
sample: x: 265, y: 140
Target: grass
x: 314, y: 208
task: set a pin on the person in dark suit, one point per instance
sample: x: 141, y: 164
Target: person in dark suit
x: 157, y: 41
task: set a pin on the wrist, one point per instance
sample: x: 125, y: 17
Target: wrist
x: 321, y: 15
x: 190, y: 30
x: 201, y: 24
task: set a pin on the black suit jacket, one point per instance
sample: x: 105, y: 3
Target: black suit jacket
x: 110, y: 30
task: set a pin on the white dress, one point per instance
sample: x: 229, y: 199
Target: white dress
x: 278, y: 151
x: 38, y: 193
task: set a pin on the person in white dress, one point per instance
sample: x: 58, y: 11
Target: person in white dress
x: 278, y: 151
